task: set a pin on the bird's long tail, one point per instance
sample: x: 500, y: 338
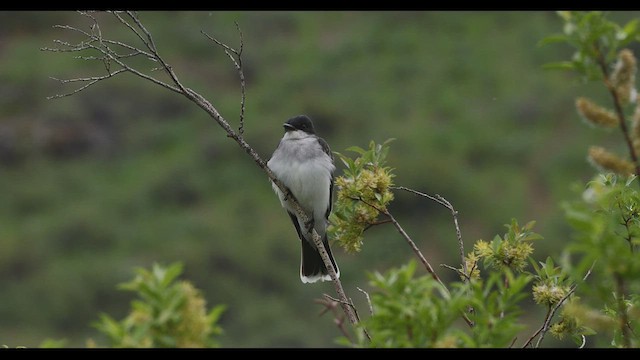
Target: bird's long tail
x: 312, y: 267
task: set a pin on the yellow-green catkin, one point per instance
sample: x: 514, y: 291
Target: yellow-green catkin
x: 596, y: 114
x: 623, y: 77
x: 606, y: 160
x: 548, y: 294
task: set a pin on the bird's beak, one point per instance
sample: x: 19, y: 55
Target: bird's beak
x: 288, y: 127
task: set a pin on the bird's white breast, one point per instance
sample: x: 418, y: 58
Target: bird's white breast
x: 301, y: 164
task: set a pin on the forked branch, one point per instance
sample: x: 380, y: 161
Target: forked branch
x: 114, y: 53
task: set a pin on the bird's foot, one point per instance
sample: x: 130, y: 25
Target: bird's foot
x: 288, y: 195
x: 309, y: 225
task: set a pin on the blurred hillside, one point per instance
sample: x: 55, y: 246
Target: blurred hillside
x: 126, y: 173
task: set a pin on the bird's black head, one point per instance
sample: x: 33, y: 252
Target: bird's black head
x: 300, y: 122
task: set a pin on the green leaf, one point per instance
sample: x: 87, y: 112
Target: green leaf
x: 216, y: 312
x: 109, y: 326
x: 560, y: 65
x: 532, y: 236
x: 171, y: 274
x: 549, y: 265
x: 553, y: 39
x: 356, y: 149
x: 630, y: 180
x: 631, y: 28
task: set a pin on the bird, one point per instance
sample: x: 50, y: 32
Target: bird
x: 304, y: 163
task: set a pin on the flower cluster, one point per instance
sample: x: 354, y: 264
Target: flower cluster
x: 363, y: 192
x: 511, y: 251
x: 548, y: 293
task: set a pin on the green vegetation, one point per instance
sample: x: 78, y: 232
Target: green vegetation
x: 168, y: 314
x: 125, y: 174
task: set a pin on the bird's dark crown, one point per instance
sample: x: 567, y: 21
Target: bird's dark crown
x: 300, y: 122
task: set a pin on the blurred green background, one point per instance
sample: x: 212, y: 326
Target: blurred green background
x: 126, y: 173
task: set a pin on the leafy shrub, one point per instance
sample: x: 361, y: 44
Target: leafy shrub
x: 167, y: 313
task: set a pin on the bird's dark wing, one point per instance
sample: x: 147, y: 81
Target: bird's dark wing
x: 294, y: 220
x: 327, y: 150
x: 325, y: 147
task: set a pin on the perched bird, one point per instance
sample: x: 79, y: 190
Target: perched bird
x: 303, y: 162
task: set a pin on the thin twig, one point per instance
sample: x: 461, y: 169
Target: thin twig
x: 238, y: 64
x: 133, y: 30
x: 625, y: 222
x: 466, y: 273
x: 411, y: 243
x: 91, y: 80
x: 381, y: 222
x: 618, y: 108
x: 331, y: 305
x: 242, y: 82
x: 350, y: 305
x: 110, y: 54
x: 622, y: 311
x: 366, y: 294
x: 547, y: 320
x: 343, y: 302
x: 444, y: 202
x: 457, y: 271
x: 513, y: 342
x: 415, y: 249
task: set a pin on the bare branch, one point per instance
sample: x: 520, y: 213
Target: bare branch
x: 406, y: 236
x: 95, y: 41
x: 227, y: 48
x: 600, y: 59
x: 547, y: 317
x: 381, y: 222
x: 91, y: 80
x: 513, y: 342
x: 342, y: 302
x: 242, y: 82
x: 72, y: 28
x: 110, y: 55
x: 415, y: 249
x: 125, y: 23
x: 457, y: 271
x: 331, y: 304
x: 444, y: 202
x: 465, y: 273
x: 366, y: 294
x: 238, y: 64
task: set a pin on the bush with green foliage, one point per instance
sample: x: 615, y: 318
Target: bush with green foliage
x: 167, y: 313
x: 601, y: 263
x: 410, y: 311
